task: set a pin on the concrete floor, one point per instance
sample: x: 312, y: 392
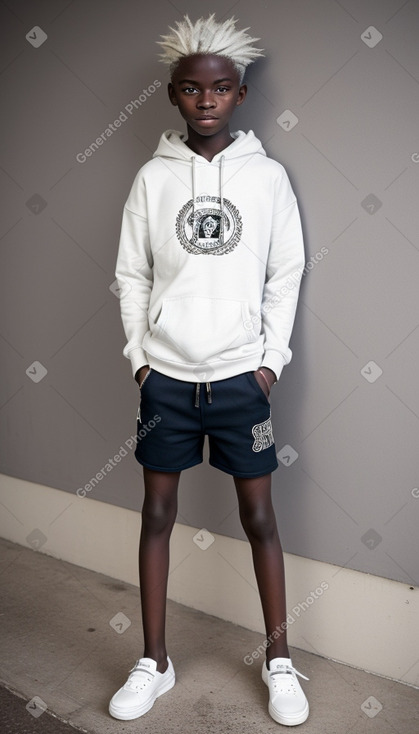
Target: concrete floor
x: 69, y: 636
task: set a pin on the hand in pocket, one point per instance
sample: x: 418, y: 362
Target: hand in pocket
x: 142, y: 374
x: 265, y: 380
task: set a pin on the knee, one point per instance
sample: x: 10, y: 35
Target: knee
x: 259, y: 524
x: 158, y: 517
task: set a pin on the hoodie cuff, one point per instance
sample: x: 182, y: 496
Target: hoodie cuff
x: 275, y: 362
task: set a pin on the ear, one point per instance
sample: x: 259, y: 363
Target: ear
x: 241, y: 95
x: 172, y: 94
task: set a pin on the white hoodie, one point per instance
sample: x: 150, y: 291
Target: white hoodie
x: 210, y: 261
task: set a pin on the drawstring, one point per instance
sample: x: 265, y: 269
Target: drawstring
x: 221, y: 200
x: 193, y: 195
x: 198, y: 393
x: 221, y: 185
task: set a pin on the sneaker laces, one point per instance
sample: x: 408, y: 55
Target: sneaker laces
x: 287, y: 684
x: 139, y: 678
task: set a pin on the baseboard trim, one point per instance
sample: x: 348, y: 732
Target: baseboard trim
x: 338, y: 613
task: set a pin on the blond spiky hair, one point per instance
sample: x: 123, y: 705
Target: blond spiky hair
x: 206, y: 36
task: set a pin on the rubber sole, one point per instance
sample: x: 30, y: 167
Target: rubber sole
x: 299, y: 718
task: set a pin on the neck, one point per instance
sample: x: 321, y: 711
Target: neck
x: 208, y: 146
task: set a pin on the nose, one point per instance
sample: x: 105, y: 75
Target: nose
x: 206, y: 100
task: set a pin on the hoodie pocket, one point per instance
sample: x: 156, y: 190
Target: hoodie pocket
x: 202, y: 328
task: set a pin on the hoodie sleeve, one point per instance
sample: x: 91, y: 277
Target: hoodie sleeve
x: 134, y: 272
x: 283, y: 276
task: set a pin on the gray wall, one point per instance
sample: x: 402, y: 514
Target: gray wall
x: 348, y: 404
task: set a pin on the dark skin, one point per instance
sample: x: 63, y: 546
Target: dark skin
x: 206, y: 86
x: 207, y: 89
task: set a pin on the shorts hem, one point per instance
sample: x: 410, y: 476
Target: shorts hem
x: 243, y: 475
x: 168, y: 469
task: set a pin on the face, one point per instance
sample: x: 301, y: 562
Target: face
x: 207, y: 89
x: 209, y: 226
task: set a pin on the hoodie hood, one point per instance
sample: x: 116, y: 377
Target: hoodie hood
x: 172, y: 146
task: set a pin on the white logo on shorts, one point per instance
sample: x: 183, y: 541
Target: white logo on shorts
x: 263, y: 435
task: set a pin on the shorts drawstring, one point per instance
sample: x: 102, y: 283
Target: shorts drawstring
x: 198, y: 392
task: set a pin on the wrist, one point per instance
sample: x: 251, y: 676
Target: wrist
x: 268, y: 375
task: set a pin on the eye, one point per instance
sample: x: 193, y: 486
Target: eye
x: 189, y: 90
x: 223, y: 90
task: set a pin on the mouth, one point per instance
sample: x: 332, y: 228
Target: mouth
x: 206, y: 117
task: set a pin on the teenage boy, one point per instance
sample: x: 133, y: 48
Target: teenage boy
x: 209, y: 265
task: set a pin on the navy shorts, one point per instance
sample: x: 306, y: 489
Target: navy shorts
x: 174, y: 417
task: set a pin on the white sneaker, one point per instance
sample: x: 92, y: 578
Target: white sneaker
x: 143, y: 686
x: 287, y: 702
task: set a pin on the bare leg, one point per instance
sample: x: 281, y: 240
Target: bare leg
x: 158, y: 517
x: 259, y: 523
